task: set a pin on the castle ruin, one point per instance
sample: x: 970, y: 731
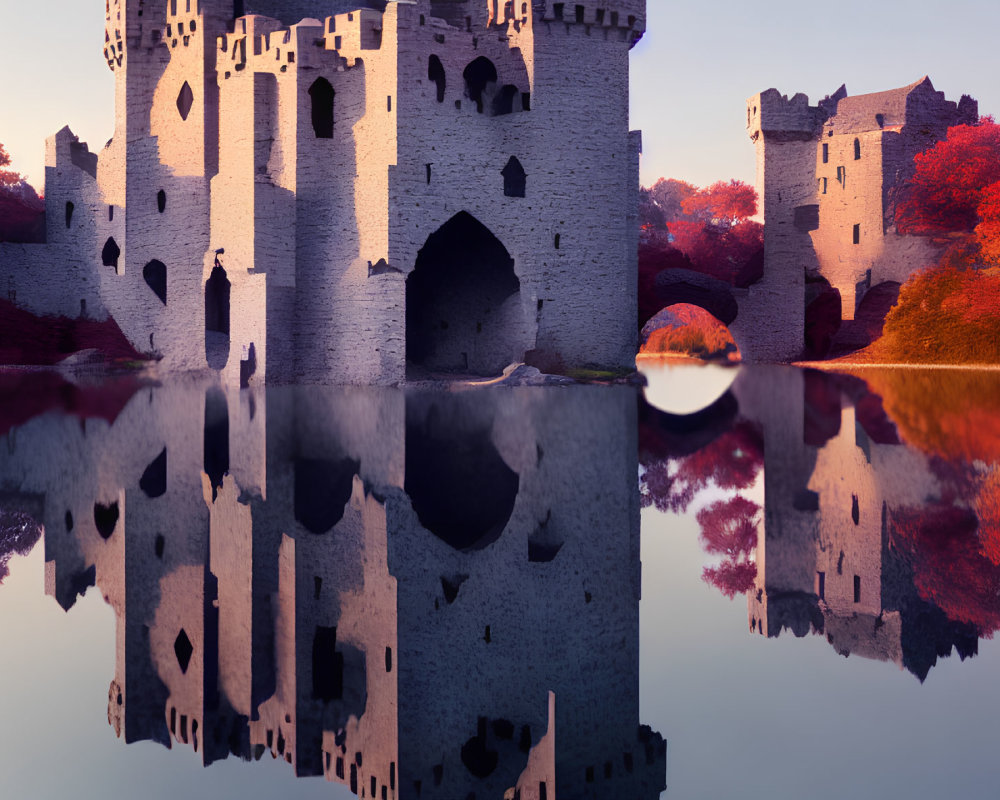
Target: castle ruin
x: 829, y: 177
x: 329, y: 190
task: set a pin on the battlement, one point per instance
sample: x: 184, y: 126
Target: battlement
x: 269, y: 47
x: 779, y: 118
x: 132, y: 23
x: 627, y: 14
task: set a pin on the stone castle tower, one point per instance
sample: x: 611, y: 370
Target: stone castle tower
x: 829, y: 177
x: 329, y: 190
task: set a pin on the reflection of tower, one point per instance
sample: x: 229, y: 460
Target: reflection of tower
x: 825, y: 560
x: 459, y: 614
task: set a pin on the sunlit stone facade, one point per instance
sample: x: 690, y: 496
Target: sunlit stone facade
x: 314, y: 190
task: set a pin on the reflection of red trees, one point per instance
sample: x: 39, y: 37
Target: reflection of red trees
x: 951, y: 565
x: 728, y: 527
x: 731, y: 578
x: 732, y: 462
x: 18, y: 534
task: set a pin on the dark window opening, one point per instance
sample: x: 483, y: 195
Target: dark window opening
x: 856, y: 235
x: 388, y: 659
x: 855, y: 509
x: 479, y: 75
x: 161, y: 201
x: 388, y: 103
x: 824, y: 185
x: 821, y: 585
x: 69, y: 213
x: 463, y: 276
x: 155, y: 275
x: 183, y: 649
x: 557, y: 241
x: 322, y: 95
x: 436, y: 74
x: 600, y: 16
x: 111, y: 213
x: 515, y: 181
x: 526, y: 101
x: 327, y: 666
x: 106, y: 519
x: 185, y: 99
x: 558, y: 9
x: 579, y: 14
x: 842, y: 176
x: 217, y: 298
x: 857, y: 588
x: 428, y: 174
x: 857, y: 149
x: 317, y: 586
x: 111, y: 253
x: 159, y: 545
x: 69, y: 521
x: 826, y: 153
x: 154, y: 480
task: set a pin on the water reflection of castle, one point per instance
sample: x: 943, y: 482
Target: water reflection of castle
x: 430, y: 595
x: 826, y: 560
x: 836, y: 479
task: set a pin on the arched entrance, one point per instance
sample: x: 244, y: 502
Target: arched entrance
x: 217, y: 291
x: 463, y: 310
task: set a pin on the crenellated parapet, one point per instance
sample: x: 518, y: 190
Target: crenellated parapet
x: 628, y: 16
x: 781, y: 119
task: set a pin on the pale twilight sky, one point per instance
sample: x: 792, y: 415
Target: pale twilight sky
x: 691, y: 74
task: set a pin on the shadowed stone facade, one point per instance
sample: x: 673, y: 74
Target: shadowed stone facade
x: 318, y: 191
x: 287, y: 582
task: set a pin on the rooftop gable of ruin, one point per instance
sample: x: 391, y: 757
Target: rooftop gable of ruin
x: 892, y: 109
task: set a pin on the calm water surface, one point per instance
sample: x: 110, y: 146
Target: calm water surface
x: 753, y: 583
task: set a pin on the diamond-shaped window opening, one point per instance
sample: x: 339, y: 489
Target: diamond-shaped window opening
x: 183, y: 650
x: 185, y: 99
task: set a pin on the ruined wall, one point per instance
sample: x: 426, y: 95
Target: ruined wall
x: 852, y: 159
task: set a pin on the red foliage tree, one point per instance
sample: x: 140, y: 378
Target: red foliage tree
x: 706, y: 230
x: 950, y: 179
x: 22, y: 212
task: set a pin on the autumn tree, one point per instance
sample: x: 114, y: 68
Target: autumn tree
x: 950, y: 312
x: 707, y: 230
x: 21, y: 210
x: 950, y: 181
x: 18, y: 535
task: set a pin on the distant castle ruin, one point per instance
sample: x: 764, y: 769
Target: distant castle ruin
x: 828, y: 178
x: 313, y: 190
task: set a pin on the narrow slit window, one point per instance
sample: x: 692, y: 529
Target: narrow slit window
x: 857, y: 588
x: 856, y: 235
x: 821, y: 585
x: 857, y: 149
x: 826, y: 153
